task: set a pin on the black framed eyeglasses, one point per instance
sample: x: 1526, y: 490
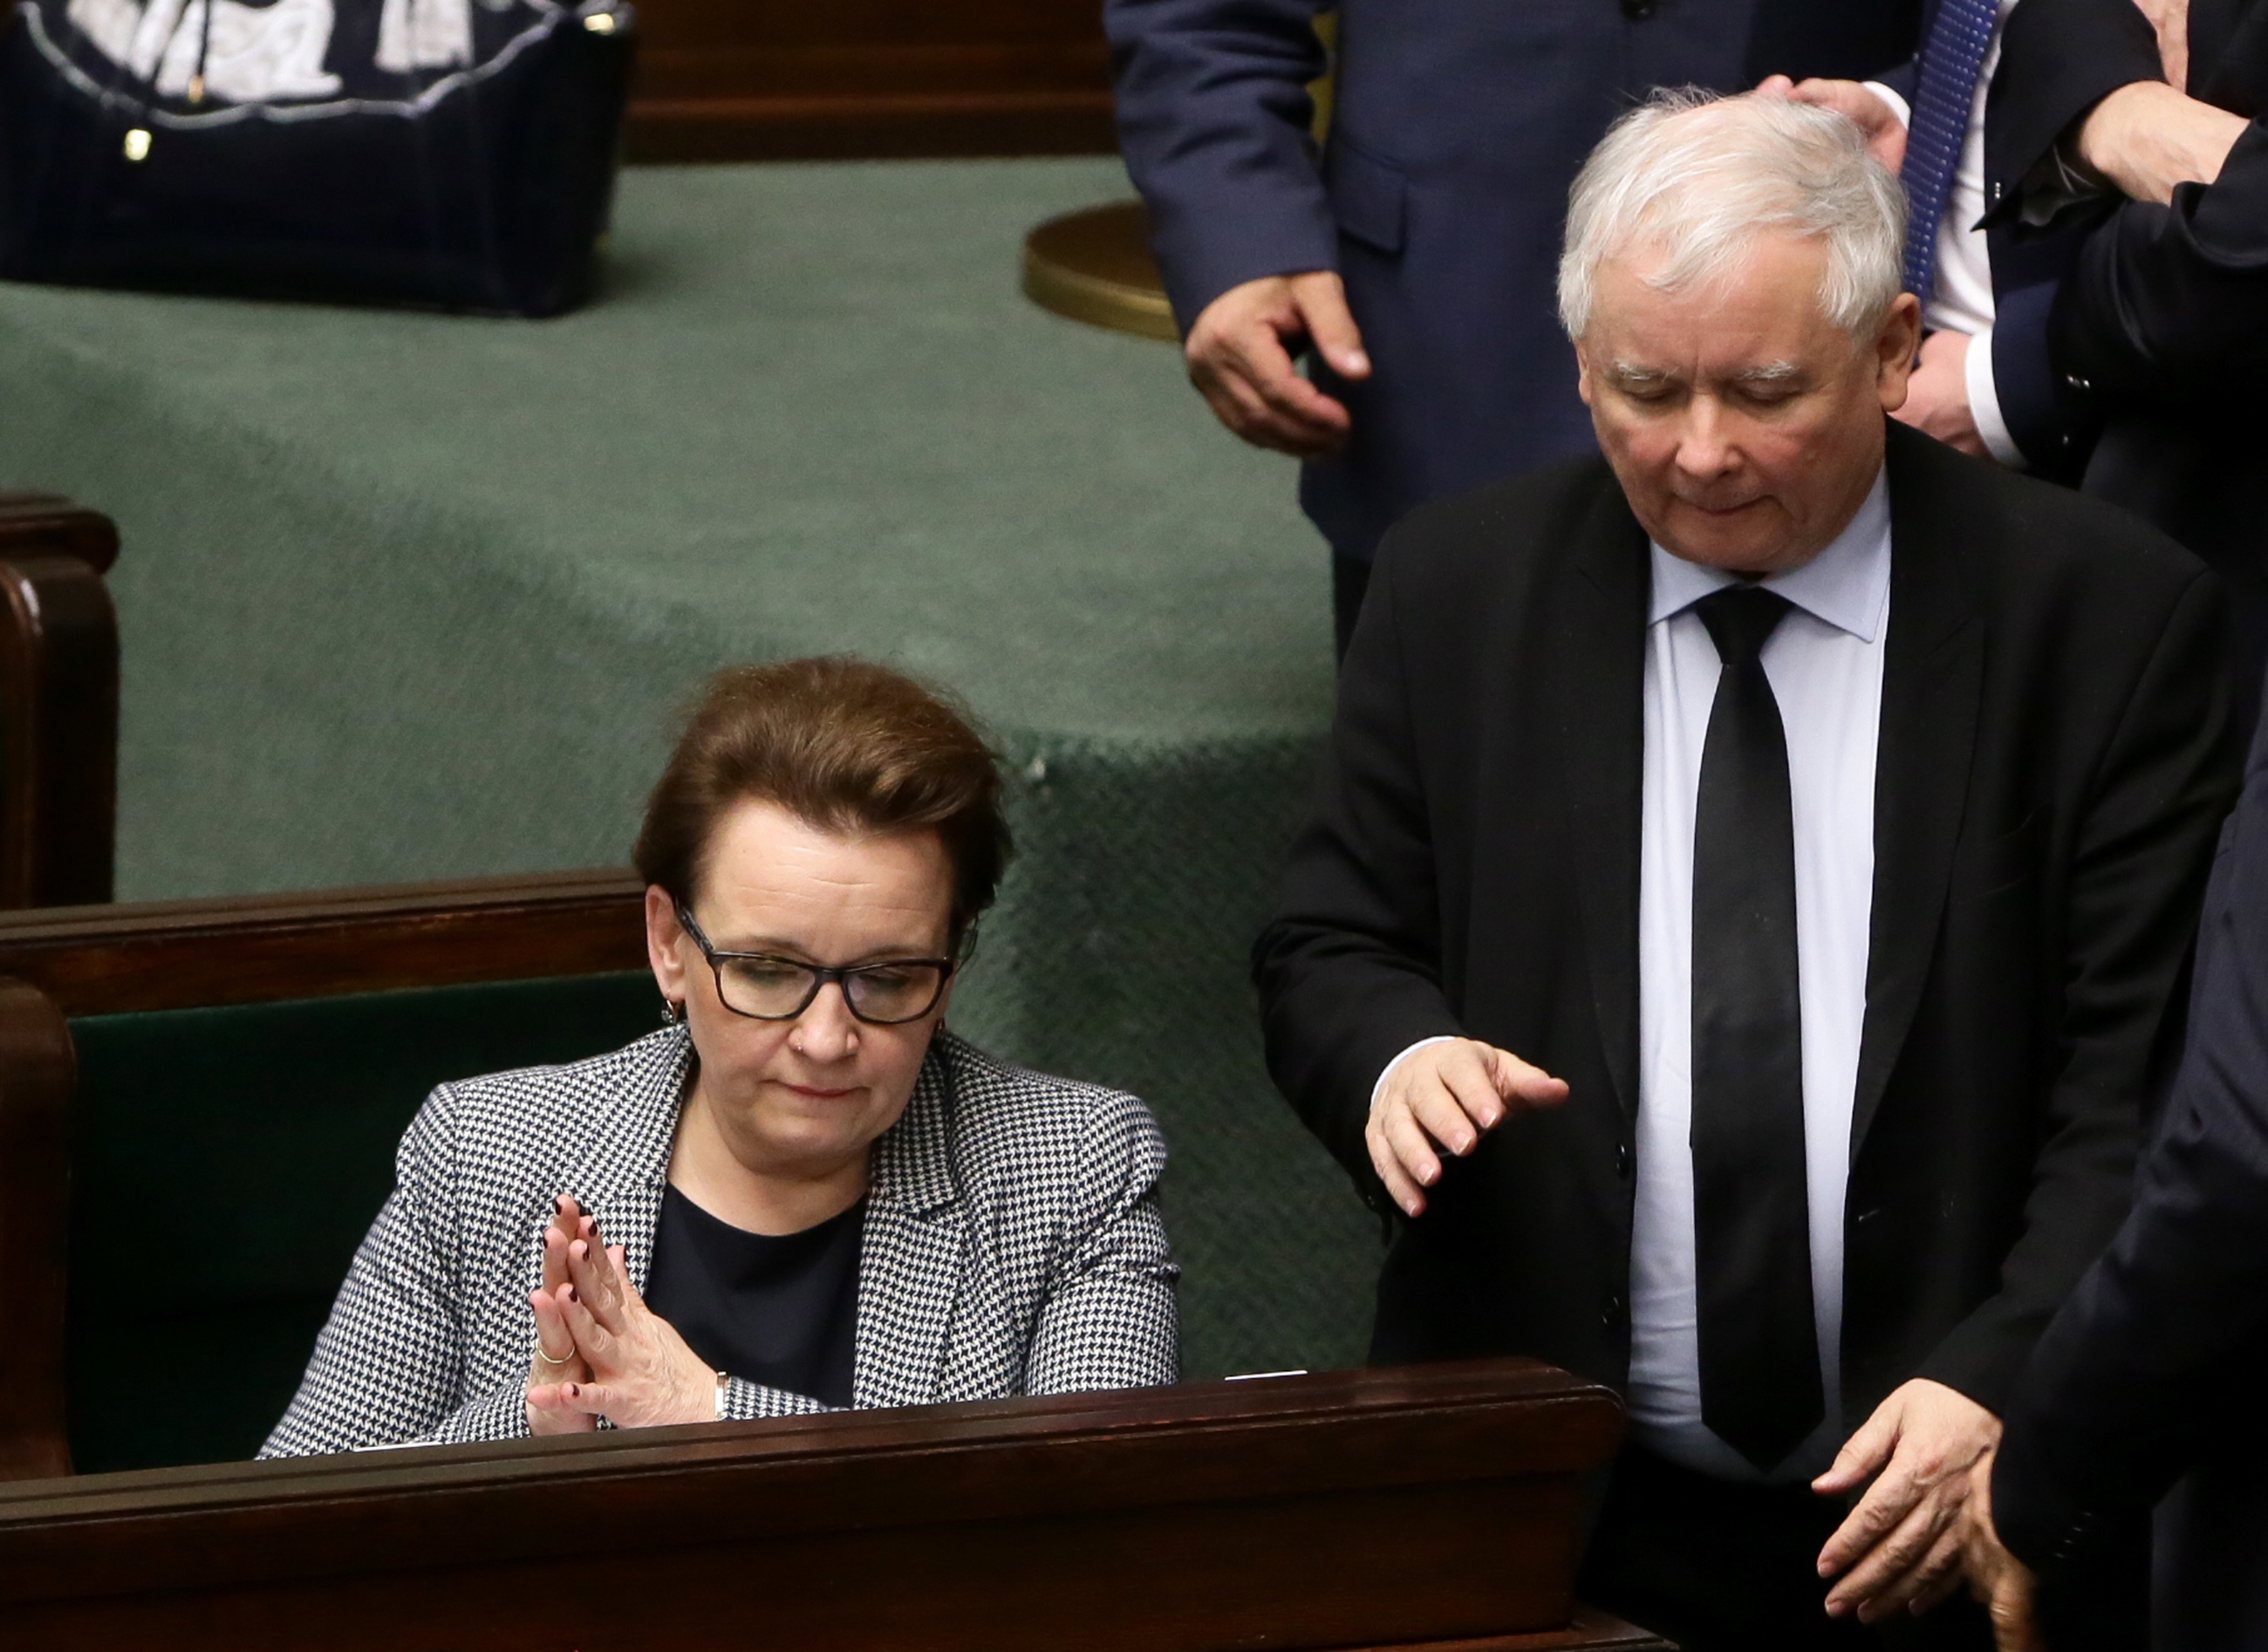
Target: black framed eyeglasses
x: 763, y: 987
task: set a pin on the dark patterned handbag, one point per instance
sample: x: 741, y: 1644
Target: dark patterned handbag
x: 457, y: 153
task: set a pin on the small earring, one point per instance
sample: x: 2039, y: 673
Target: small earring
x: 671, y: 1011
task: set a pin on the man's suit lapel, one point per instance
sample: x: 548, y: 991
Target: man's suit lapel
x: 1932, y: 673
x: 909, y: 1275
x: 1602, y: 671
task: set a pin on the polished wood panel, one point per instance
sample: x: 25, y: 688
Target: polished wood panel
x: 769, y: 79
x: 1591, y: 1631
x: 32, y: 524
x: 58, y: 703
x: 253, y: 949
x: 57, y: 963
x: 38, y: 1073
x: 1385, y: 1508
x: 58, y: 732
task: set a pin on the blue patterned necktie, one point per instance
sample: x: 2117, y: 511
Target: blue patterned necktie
x: 1951, y: 59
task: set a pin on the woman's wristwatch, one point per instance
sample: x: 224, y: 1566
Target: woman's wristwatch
x: 723, y: 1382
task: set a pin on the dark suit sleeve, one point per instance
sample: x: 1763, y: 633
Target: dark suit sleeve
x: 2133, y: 1376
x: 2161, y: 306
x: 1213, y: 116
x: 2040, y: 415
x: 2169, y: 304
x: 2142, y: 844
x: 1348, y: 973
x: 2058, y: 59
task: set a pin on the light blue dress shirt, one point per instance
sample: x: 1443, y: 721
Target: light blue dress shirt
x: 1825, y: 665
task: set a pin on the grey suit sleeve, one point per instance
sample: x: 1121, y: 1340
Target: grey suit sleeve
x: 390, y: 1363
x: 1108, y: 1320
x: 1212, y: 118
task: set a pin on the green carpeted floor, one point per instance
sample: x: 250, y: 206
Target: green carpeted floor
x: 410, y: 597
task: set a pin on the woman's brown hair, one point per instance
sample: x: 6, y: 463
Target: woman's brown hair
x: 843, y: 745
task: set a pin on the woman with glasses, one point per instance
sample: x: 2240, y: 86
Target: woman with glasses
x: 802, y: 1193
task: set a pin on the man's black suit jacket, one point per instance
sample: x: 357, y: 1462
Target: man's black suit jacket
x: 2157, y: 329
x: 2054, y: 761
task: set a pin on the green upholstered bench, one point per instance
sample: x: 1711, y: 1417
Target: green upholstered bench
x: 222, y: 1083
x: 58, y: 703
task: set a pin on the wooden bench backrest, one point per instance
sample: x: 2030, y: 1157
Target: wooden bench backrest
x: 198, y: 1105
x: 58, y: 703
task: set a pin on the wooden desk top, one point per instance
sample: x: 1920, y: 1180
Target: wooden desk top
x: 1356, y: 1509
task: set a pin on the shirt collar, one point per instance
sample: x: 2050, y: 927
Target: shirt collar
x: 1847, y: 585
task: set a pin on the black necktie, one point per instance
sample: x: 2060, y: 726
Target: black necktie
x: 1760, y: 1386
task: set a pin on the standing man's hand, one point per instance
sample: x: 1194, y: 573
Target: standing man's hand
x: 1886, y: 134
x: 1937, y: 394
x: 2004, y: 1583
x: 1240, y: 356
x: 1447, y: 1096
x: 1901, y: 1548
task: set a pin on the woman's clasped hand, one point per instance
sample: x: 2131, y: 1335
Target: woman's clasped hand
x: 600, y: 1351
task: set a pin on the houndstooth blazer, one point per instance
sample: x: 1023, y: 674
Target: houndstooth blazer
x: 1012, y: 1245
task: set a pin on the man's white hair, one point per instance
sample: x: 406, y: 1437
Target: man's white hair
x: 1699, y: 177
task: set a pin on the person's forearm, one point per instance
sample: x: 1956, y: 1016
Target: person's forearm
x: 1333, y: 1020
x: 1213, y: 118
x: 2168, y: 305
x: 1348, y: 971
x: 2148, y: 140
x: 1113, y: 1328
x: 2129, y: 1384
x: 385, y: 1368
x: 1984, y: 403
x: 744, y: 1401
x: 2124, y: 1388
x: 2059, y: 59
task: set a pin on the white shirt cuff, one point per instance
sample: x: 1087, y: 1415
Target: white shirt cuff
x: 1898, y: 105
x: 1438, y: 1038
x: 1985, y: 403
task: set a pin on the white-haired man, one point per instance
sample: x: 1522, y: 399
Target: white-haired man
x: 1747, y: 890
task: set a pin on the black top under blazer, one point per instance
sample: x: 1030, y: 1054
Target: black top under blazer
x: 2054, y: 762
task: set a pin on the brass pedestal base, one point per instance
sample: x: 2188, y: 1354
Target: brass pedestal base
x: 1095, y: 267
